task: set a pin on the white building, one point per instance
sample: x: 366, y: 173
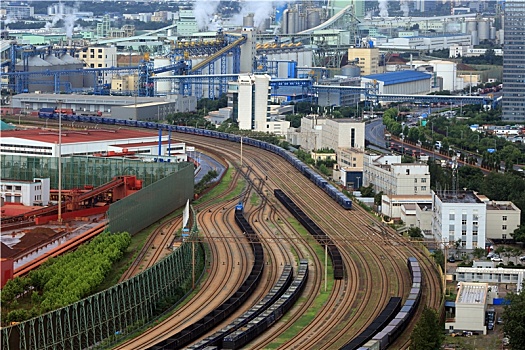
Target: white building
x: 429, y: 43
x: 446, y: 70
x: 459, y: 216
x: 28, y: 193
x: 471, y: 304
x: 100, y: 57
x: 407, y: 82
x: 469, y: 51
x: 390, y: 176
x: 343, y: 133
x: 44, y: 143
x: 503, y: 218
x: 249, y: 97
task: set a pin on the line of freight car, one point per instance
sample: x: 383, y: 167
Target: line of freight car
x: 388, y: 313
x: 271, y: 315
x: 395, y: 327
x: 278, y: 289
x: 315, y: 231
x: 317, y: 179
x: 211, y: 320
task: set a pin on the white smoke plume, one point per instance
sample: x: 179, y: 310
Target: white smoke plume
x: 68, y: 15
x: 203, y: 11
x: 405, y: 8
x: 383, y: 8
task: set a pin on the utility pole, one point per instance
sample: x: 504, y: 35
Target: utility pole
x: 59, y: 161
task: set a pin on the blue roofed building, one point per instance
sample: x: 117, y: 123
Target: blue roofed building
x: 407, y: 82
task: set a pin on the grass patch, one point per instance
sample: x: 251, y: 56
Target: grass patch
x: 319, y: 301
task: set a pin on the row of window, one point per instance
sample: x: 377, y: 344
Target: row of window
x: 25, y: 146
x: 11, y: 187
x: 25, y: 152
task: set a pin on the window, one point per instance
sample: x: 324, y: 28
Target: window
x: 452, y: 216
x: 463, y: 222
x: 18, y: 188
x: 423, y: 180
x: 415, y: 181
x: 504, y: 218
x: 423, y: 188
x: 408, y: 171
x: 503, y: 227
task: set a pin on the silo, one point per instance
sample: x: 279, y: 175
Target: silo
x: 464, y: 27
x: 313, y: 19
x: 248, y: 21
x: 292, y: 22
x: 50, y: 10
x: 76, y: 80
x: 351, y: 71
x: 472, y: 26
x: 492, y: 33
x: 57, y: 65
x: 483, y: 29
x: 37, y: 82
x: 162, y: 87
x: 474, y: 38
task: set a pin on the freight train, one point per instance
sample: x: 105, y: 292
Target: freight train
x: 217, y: 316
x: 319, y: 235
x: 387, y: 336
x: 307, y: 171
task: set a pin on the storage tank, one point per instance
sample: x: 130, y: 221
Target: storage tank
x: 58, y: 65
x: 351, y: 71
x: 492, y: 33
x: 464, y: 27
x: 76, y: 80
x: 36, y: 82
x: 472, y: 26
x: 162, y: 87
x: 313, y: 18
x: 292, y: 22
x: 248, y: 21
x: 483, y: 29
x: 474, y: 38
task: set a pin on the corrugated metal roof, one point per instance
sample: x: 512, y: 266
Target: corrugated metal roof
x: 400, y: 77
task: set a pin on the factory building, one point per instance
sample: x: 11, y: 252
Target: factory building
x: 429, y: 43
x: 401, y: 82
x: 471, y: 305
x: 367, y: 59
x: 122, y: 107
x: 28, y: 193
x: 44, y: 143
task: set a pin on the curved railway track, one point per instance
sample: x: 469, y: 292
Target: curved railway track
x: 374, y: 256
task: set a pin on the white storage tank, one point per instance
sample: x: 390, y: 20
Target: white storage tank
x: 162, y: 87
x: 483, y: 29
x: 472, y: 26
x: 313, y: 19
x: 492, y: 33
x: 474, y: 38
x: 464, y: 27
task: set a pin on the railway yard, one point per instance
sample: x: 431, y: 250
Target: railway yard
x: 373, y: 255
x: 330, y: 312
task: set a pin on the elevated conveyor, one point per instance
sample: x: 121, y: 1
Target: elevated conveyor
x: 218, y: 54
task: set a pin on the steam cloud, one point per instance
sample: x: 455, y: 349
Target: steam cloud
x: 68, y: 15
x: 203, y: 11
x: 383, y: 8
x: 405, y: 8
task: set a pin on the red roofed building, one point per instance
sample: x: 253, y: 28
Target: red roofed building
x: 40, y: 142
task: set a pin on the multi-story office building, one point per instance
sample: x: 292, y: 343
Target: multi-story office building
x: 100, y: 57
x: 459, y: 216
x: 366, y: 58
x: 249, y: 97
x: 514, y: 62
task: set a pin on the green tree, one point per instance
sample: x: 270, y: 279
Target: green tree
x: 519, y: 234
x: 415, y: 232
x: 427, y: 334
x: 514, y: 319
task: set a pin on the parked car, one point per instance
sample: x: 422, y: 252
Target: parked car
x: 522, y: 258
x: 451, y: 259
x: 496, y: 259
x: 500, y: 320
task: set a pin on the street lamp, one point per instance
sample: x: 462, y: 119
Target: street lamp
x: 59, y: 102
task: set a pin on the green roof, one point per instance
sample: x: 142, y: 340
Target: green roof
x: 5, y: 126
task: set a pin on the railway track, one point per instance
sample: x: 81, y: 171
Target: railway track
x: 374, y: 258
